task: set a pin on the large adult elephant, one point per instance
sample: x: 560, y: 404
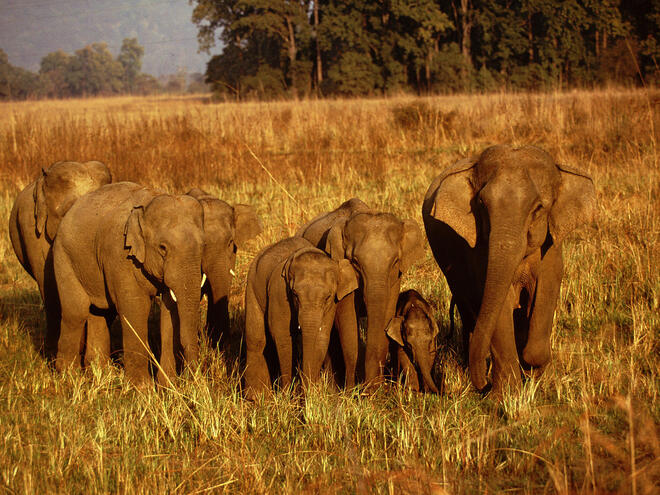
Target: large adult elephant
x: 116, y: 249
x: 35, y: 219
x: 495, y: 224
x: 380, y: 248
x: 226, y: 229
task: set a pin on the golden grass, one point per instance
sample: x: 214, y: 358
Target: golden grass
x: 589, y: 425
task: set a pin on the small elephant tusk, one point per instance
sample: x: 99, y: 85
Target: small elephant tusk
x: 203, y: 279
x: 233, y: 273
x: 173, y: 296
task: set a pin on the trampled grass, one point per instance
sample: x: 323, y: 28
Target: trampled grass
x: 590, y: 424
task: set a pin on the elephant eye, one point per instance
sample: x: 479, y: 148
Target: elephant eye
x: 162, y: 249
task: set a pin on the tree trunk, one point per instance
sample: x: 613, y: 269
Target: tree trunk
x: 466, y: 28
x: 291, y: 42
x: 319, y: 68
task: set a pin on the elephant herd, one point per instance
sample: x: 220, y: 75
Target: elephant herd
x: 495, y: 223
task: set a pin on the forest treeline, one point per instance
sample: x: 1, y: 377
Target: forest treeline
x: 91, y: 71
x: 273, y: 48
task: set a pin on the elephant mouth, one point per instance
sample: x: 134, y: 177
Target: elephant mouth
x: 201, y: 285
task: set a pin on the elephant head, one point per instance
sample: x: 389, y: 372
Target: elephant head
x: 226, y: 229
x: 512, y: 202
x: 59, y: 187
x: 380, y: 248
x: 165, y: 239
x: 315, y: 283
x: 414, y: 330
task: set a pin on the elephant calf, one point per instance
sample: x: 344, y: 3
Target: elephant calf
x: 291, y: 287
x: 34, y: 222
x: 413, y: 333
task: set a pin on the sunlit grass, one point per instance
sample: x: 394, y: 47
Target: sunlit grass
x: 589, y: 424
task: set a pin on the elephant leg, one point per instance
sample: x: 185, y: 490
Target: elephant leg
x: 407, y: 371
x: 167, y: 369
x: 537, y: 350
x: 347, y: 328
x: 134, y: 315
x: 280, y: 330
x: 51, y: 299
x: 97, y: 348
x: 257, y: 377
x: 75, y: 311
x: 506, y: 367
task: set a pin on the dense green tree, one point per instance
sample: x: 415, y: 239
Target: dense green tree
x: 130, y: 57
x: 15, y: 82
x: 94, y: 71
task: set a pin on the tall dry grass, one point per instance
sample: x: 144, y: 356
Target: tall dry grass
x: 589, y: 425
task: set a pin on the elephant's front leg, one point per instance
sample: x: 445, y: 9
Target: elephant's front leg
x: 537, y: 350
x: 347, y: 328
x: 97, y: 348
x: 506, y: 367
x: 167, y: 369
x: 134, y: 315
x: 279, y: 326
x: 407, y: 371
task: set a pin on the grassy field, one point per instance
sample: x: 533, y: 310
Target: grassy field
x: 590, y: 424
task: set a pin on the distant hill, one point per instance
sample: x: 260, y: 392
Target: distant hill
x: 29, y: 29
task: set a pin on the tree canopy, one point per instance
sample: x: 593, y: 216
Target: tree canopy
x: 360, y: 47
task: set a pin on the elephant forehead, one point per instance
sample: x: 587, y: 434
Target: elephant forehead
x: 417, y: 322
x: 166, y: 209
x: 374, y: 230
x: 312, y: 266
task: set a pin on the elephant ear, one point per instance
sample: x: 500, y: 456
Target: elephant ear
x: 575, y: 203
x: 393, y: 330
x: 40, y: 206
x: 134, y: 237
x: 246, y: 224
x: 412, y: 244
x: 453, y: 198
x: 348, y: 281
x: 285, y: 268
x: 334, y: 243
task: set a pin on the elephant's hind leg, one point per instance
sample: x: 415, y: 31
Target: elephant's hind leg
x: 75, y: 306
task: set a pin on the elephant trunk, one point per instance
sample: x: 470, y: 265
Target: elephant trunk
x: 217, y: 288
x: 380, y: 308
x: 315, y: 339
x: 505, y: 251
x: 185, y: 285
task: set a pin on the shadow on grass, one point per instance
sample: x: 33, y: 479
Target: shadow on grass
x: 23, y: 307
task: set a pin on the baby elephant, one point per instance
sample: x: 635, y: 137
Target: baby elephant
x: 413, y: 333
x: 291, y: 287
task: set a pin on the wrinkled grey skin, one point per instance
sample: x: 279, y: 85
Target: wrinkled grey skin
x: 495, y: 224
x: 35, y: 219
x: 413, y: 346
x: 226, y: 229
x: 291, y: 285
x: 380, y: 248
x: 116, y: 248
